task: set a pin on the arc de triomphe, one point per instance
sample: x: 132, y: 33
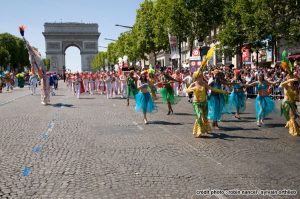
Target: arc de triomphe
x: 60, y: 36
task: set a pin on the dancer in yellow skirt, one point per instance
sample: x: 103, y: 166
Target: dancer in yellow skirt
x: 289, y: 107
x: 200, y: 88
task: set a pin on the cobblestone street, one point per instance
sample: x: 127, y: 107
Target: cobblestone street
x: 99, y: 148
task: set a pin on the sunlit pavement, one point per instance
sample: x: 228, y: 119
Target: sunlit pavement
x: 99, y: 148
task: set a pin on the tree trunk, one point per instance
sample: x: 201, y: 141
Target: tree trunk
x: 240, y: 55
x: 179, y: 48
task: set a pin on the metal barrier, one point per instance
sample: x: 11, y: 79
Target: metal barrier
x: 276, y: 92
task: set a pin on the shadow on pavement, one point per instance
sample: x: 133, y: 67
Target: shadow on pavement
x: 236, y: 120
x: 58, y: 105
x: 253, y: 118
x: 118, y: 98
x: 224, y: 136
x: 184, y: 114
x: 87, y: 98
x: 236, y: 128
x: 164, y: 123
x: 274, y: 125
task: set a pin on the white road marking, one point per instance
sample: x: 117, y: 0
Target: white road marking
x: 137, y: 125
x: 9, y: 101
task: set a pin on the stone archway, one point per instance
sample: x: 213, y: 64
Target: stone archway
x: 60, y: 36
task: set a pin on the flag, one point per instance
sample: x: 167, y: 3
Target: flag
x: 36, y: 62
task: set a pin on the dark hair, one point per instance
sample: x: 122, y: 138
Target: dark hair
x: 144, y: 80
x: 262, y: 76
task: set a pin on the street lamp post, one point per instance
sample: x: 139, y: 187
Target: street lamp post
x: 110, y: 39
x: 130, y: 27
x: 102, y: 46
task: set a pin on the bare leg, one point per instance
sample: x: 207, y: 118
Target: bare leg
x: 145, y: 118
x: 169, y: 107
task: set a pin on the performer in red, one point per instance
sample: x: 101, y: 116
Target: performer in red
x: 78, y: 85
x: 85, y: 78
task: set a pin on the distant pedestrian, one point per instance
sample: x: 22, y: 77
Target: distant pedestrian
x: 33, y: 83
x: 51, y: 84
x: 55, y: 78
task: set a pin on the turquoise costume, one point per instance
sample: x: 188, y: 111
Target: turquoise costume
x: 264, y: 104
x: 144, y: 102
x: 237, y: 99
x: 216, y: 104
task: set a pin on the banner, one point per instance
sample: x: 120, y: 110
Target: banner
x: 246, y: 55
x: 174, y: 47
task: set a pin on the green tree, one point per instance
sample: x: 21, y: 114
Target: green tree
x: 144, y: 28
x: 203, y: 16
x: 237, y: 27
x: 161, y: 10
x: 178, y: 21
x: 4, y: 57
x: 112, y: 53
x: 17, y: 50
x: 99, y: 61
x: 277, y: 20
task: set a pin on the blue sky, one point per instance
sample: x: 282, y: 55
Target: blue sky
x: 34, y: 13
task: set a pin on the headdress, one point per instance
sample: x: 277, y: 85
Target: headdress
x: 286, y: 64
x: 197, y: 74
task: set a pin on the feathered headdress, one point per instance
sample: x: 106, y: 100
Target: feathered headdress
x: 34, y: 57
x: 286, y: 64
x: 208, y: 57
x: 151, y: 71
x: 22, y: 30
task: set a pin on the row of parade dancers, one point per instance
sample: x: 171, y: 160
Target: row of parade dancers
x: 210, y: 101
x: 115, y: 84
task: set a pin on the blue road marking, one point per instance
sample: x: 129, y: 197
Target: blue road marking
x: 26, y: 171
x: 50, y: 125
x: 38, y: 148
x: 45, y: 136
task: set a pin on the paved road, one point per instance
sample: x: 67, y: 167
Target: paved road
x: 99, y: 148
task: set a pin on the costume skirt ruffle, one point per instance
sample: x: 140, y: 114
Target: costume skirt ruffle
x: 216, y: 107
x: 132, y: 91
x: 201, y: 124
x: 237, y: 101
x: 168, y: 95
x: 144, y: 103
x: 264, y: 106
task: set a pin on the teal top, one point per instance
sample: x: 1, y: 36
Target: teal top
x: 262, y: 86
x: 237, y: 84
x: 215, y: 85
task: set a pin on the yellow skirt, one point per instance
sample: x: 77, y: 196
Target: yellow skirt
x: 201, y: 124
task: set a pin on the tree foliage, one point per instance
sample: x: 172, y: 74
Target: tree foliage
x: 239, y: 22
x: 17, y: 52
x: 99, y: 61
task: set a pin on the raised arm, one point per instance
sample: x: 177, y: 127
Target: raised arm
x: 228, y: 83
x: 215, y: 89
x: 190, y: 88
x: 285, y: 83
x: 251, y: 85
